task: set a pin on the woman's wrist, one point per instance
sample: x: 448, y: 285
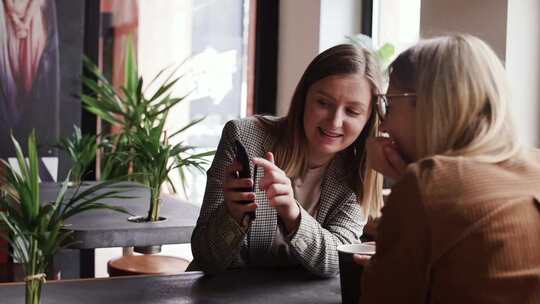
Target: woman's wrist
x: 290, y: 217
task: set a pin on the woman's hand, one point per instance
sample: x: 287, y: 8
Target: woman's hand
x: 278, y: 188
x: 362, y: 260
x: 384, y: 157
x: 234, y: 199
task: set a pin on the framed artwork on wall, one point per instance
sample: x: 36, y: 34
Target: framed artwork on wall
x: 41, y: 45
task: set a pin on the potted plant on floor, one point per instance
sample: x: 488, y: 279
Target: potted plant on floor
x: 36, y: 230
x: 142, y: 148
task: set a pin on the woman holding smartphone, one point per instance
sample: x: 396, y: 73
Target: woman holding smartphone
x: 313, y: 190
x: 462, y: 223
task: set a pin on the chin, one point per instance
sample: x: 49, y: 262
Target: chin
x: 324, y: 150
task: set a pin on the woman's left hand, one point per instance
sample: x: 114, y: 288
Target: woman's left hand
x: 384, y: 157
x: 278, y: 188
x: 362, y: 260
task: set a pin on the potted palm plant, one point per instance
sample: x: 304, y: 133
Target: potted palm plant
x: 129, y: 108
x: 155, y: 157
x: 82, y: 150
x: 36, y: 230
x: 142, y: 149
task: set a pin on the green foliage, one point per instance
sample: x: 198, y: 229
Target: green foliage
x: 155, y: 157
x: 385, y: 53
x: 37, y: 229
x: 141, y: 150
x: 82, y: 150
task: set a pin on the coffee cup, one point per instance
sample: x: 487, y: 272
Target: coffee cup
x: 350, y: 273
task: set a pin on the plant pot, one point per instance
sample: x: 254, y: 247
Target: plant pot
x: 144, y: 219
x: 153, y: 249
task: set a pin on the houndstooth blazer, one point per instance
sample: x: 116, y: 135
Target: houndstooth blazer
x: 219, y: 242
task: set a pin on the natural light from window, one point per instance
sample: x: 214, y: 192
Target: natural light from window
x: 396, y: 22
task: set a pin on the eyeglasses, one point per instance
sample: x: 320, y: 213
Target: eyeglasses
x: 383, y: 101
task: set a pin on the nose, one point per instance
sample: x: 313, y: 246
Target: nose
x: 337, y: 119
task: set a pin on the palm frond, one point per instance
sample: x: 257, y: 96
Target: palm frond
x: 82, y: 150
x: 142, y: 148
x: 34, y: 229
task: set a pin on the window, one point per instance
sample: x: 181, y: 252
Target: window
x: 396, y: 22
x: 213, y: 36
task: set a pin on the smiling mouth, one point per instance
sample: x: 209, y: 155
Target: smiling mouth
x: 329, y: 134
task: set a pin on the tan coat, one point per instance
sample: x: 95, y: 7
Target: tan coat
x: 459, y: 231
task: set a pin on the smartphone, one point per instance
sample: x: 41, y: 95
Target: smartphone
x: 242, y: 157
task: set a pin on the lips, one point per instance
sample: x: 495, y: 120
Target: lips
x: 329, y: 133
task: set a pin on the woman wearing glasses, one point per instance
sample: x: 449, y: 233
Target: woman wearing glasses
x: 307, y: 194
x: 462, y: 224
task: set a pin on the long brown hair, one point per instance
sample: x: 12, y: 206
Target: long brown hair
x: 290, y: 146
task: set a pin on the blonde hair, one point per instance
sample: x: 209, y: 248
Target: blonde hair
x: 462, y: 98
x: 290, y: 147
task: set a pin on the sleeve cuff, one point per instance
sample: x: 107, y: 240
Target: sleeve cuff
x: 304, y: 231
x: 289, y: 235
x: 232, y: 232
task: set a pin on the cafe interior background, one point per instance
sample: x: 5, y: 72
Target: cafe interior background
x: 238, y: 58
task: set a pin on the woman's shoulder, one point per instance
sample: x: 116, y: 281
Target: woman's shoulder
x: 254, y: 125
x: 252, y: 132
x: 452, y: 194
x: 455, y: 177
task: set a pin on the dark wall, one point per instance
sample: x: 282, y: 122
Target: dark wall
x: 70, y: 31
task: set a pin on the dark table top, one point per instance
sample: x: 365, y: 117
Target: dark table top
x: 105, y: 228
x: 237, y: 286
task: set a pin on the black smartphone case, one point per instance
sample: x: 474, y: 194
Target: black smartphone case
x: 242, y: 157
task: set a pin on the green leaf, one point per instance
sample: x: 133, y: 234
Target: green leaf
x: 143, y: 148
x: 131, y: 73
x: 36, y: 229
x: 82, y: 149
x: 189, y: 125
x: 386, y: 52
